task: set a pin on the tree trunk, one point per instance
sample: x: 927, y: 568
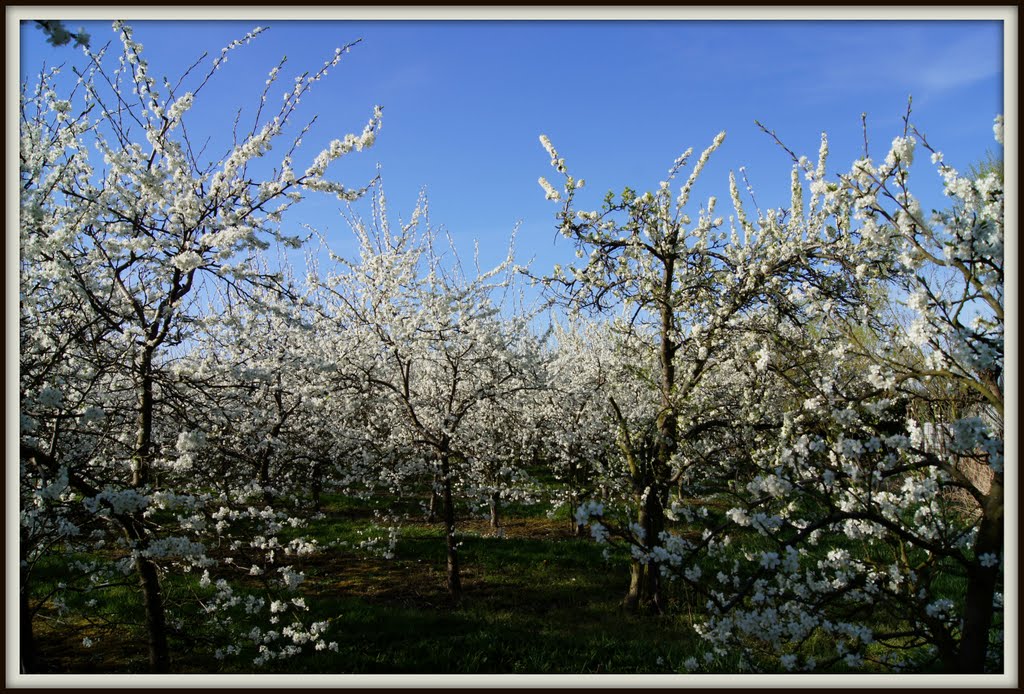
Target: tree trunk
x: 644, y: 594
x: 981, y: 587
x: 156, y: 625
x: 493, y: 503
x: 268, y: 451
x: 141, y: 462
x: 149, y: 578
x: 576, y: 528
x: 454, y: 580
x: 264, y: 477
x: 27, y: 645
x: 317, y: 485
x: 152, y: 596
x: 652, y: 476
x: 434, y: 501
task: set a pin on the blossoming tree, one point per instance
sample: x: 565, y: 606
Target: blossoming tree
x: 690, y: 293
x: 871, y: 519
x: 439, y: 353
x: 123, y: 228
x: 572, y: 414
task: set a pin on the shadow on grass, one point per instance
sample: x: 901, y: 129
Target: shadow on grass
x: 529, y: 606
x: 535, y: 601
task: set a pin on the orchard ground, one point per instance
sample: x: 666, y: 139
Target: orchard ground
x: 536, y: 599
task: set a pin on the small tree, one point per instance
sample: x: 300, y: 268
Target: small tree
x: 573, y: 414
x: 437, y: 351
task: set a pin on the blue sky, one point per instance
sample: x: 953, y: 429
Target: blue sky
x: 465, y: 101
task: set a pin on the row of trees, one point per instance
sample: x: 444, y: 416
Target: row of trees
x: 818, y: 391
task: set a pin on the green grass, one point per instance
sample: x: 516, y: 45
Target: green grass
x: 536, y: 600
x: 530, y: 606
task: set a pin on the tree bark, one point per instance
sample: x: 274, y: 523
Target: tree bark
x: 152, y: 597
x: 264, y: 477
x: 141, y: 462
x: 275, y: 431
x: 317, y: 485
x: 454, y: 579
x: 981, y: 587
x: 644, y: 594
x: 149, y: 577
x: 156, y: 624
x: 434, y: 501
x: 652, y: 477
x: 576, y: 528
x: 494, y: 504
x: 27, y: 640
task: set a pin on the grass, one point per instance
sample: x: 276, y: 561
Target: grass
x: 536, y: 600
